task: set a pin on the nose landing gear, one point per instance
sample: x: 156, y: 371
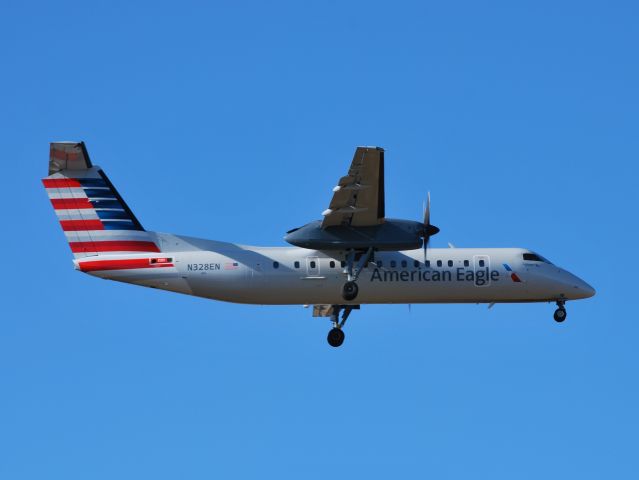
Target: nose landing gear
x: 560, y: 313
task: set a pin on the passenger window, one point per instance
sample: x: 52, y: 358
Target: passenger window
x: 276, y: 264
x: 297, y: 264
x: 404, y: 264
x: 481, y: 263
x: 379, y: 263
x: 342, y: 263
x: 439, y: 263
x: 427, y: 263
x: 313, y: 264
x: 416, y: 263
x: 466, y: 263
x: 332, y: 264
x: 450, y: 263
x: 393, y: 263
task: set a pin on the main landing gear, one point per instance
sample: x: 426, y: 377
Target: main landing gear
x: 350, y: 291
x: 560, y: 313
x: 336, y: 335
x: 352, y: 271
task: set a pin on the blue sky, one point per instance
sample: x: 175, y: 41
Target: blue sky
x: 232, y: 121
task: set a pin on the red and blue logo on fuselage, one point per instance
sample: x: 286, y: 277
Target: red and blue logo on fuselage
x: 513, y: 275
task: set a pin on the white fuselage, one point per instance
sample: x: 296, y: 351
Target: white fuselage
x: 291, y: 275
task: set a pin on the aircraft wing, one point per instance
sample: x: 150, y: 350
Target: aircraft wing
x: 358, y: 198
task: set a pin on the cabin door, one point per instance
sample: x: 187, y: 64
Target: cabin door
x: 312, y: 267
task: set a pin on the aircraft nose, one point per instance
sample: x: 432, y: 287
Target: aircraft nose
x: 573, y: 287
x: 586, y: 289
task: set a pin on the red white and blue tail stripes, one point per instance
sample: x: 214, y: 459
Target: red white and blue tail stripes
x: 92, y: 214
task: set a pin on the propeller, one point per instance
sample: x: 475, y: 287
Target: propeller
x: 428, y: 230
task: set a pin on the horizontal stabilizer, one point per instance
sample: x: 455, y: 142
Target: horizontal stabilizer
x: 68, y: 156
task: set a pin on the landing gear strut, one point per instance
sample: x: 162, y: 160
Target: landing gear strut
x: 350, y: 289
x: 336, y: 335
x: 560, y: 313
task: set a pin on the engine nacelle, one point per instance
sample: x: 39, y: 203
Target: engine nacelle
x: 391, y: 235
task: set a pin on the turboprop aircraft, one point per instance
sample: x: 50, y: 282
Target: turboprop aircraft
x: 353, y: 256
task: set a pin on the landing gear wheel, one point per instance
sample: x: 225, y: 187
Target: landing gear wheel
x: 349, y: 291
x: 335, y: 337
x: 560, y: 315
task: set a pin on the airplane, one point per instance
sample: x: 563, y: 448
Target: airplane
x: 353, y: 256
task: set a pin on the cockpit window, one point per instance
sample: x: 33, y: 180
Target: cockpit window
x: 533, y: 257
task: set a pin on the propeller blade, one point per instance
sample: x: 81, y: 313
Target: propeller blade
x: 425, y: 245
x: 427, y: 211
x: 429, y: 230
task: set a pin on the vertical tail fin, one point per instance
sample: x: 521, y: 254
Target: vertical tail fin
x: 94, y: 217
